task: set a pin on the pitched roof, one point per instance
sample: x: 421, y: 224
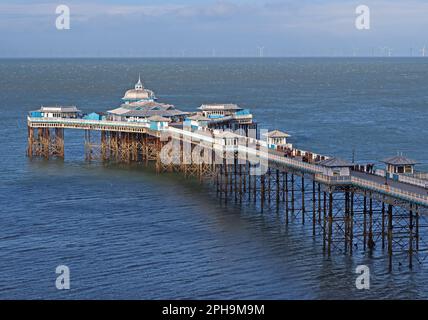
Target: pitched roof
x: 198, y: 117
x: 219, y: 106
x: 149, y: 113
x: 147, y: 109
x: 159, y: 119
x: 59, y: 109
x: 277, y: 134
x: 399, y: 160
x: 146, y: 104
x: 335, y: 162
x: 227, y: 134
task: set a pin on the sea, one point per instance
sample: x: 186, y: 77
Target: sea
x: 126, y: 233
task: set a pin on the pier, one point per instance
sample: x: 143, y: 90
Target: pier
x: 347, y: 208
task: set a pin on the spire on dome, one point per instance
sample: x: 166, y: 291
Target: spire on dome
x: 139, y: 84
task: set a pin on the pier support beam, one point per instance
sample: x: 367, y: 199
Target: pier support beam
x: 31, y: 142
x: 48, y: 143
x: 390, y: 228
x: 330, y: 222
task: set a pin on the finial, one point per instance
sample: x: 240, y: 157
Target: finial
x: 139, y: 85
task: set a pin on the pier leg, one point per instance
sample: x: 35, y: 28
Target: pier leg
x: 286, y: 198
x: 103, y: 146
x: 330, y: 222
x: 292, y: 194
x: 370, y: 243
x: 221, y: 174
x: 417, y: 228
x: 383, y: 225
x: 303, y: 200
x: 319, y: 203
x: 59, y: 142
x: 235, y: 180
x: 262, y: 190
x: 244, y: 183
x: 230, y: 170
x: 313, y: 207
x: 365, y: 223
x: 269, y: 186
x: 217, y: 182
x: 411, y: 237
x: 30, y: 145
x: 249, y: 180
x: 347, y: 221
x: 390, y: 227
x: 240, y: 183
x: 283, y: 186
x: 324, y: 228
x: 226, y: 180
x: 351, y: 227
x: 158, y: 158
x: 277, y: 190
x: 146, y: 151
x: 255, y: 189
x: 87, y: 145
x: 46, y: 140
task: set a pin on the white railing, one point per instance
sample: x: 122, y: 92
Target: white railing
x: 380, y: 172
x: 400, y: 193
x: 403, y: 178
x: 333, y: 179
x: 421, y: 175
x: 72, y: 121
x: 296, y: 163
x: 413, y: 181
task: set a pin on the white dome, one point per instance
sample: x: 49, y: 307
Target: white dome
x: 135, y: 94
x: 139, y: 93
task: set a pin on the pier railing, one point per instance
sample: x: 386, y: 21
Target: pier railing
x: 342, y: 180
x: 391, y: 191
x: 103, y: 125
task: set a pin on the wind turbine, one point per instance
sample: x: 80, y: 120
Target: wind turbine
x: 261, y: 51
x: 383, y: 51
x: 424, y: 51
x: 387, y: 51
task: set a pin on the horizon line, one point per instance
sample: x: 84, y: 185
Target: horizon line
x: 205, y: 57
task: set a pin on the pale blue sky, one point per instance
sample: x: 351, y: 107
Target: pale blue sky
x: 207, y: 28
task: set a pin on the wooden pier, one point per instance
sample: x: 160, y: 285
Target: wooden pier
x: 347, y: 213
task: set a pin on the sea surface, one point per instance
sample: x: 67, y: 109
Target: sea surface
x: 127, y: 233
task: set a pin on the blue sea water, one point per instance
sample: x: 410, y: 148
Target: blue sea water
x: 125, y: 232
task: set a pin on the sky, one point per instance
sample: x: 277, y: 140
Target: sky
x: 207, y: 28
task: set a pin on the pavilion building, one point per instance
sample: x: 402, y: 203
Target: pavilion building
x: 336, y: 167
x: 227, y: 117
x: 399, y: 165
x: 140, y: 104
x: 139, y: 93
x: 278, y: 140
x: 57, y: 112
